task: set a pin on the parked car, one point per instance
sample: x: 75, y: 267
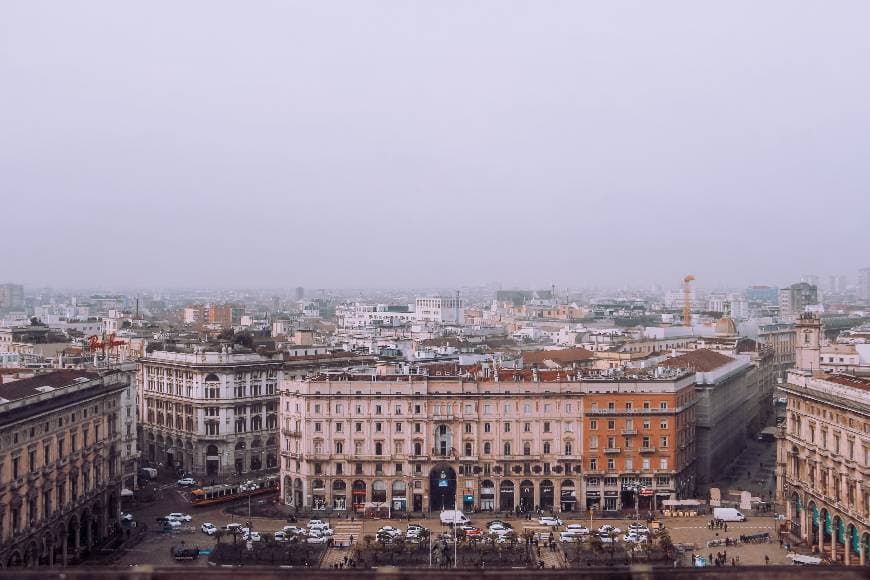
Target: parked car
x: 127, y: 517
x: 281, y: 536
x: 550, y: 521
x: 233, y: 528
x: 500, y: 522
x: 208, y: 528
x: 172, y: 524
x: 295, y: 531
x: 638, y: 529
x: 577, y: 529
x: 567, y: 537
x: 474, y: 532
x: 608, y: 529
x: 497, y: 527
x: 316, y: 538
x: 179, y: 516
x: 605, y: 538
x: 390, y: 531
x: 186, y: 481
x: 252, y: 537
x: 634, y: 538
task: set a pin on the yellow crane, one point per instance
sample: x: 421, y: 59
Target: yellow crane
x: 687, y: 303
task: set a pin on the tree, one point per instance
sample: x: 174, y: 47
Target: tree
x: 666, y: 544
x: 219, y: 534
x: 244, y: 338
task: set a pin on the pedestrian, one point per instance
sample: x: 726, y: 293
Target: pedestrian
x: 766, y: 560
x: 733, y: 562
x: 780, y: 541
x: 726, y: 526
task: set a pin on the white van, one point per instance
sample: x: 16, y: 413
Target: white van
x: 450, y: 517
x: 728, y: 515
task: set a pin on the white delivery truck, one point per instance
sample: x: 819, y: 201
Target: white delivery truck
x: 450, y: 517
x: 728, y: 515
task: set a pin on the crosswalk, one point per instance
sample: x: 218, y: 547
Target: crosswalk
x: 342, y: 534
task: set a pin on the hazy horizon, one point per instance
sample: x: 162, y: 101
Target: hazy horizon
x: 411, y: 144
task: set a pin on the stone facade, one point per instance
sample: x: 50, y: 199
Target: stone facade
x: 410, y: 442
x: 210, y: 413
x: 823, y: 463
x: 60, y: 466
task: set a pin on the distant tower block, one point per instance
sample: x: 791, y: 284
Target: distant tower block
x: 808, y: 335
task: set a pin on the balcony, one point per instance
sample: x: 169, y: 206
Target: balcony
x: 647, y: 449
x: 291, y: 433
x: 612, y: 450
x: 629, y: 431
x: 468, y: 458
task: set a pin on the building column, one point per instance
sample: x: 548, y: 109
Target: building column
x: 833, y: 541
x: 64, y: 547
x: 846, y: 555
x: 536, y: 494
x: 861, y: 556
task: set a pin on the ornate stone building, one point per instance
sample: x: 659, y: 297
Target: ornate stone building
x: 210, y: 412
x: 823, y: 456
x: 60, y: 466
x: 510, y: 441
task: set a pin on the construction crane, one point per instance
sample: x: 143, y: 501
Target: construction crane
x: 687, y: 302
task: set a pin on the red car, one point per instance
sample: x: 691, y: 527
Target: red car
x: 474, y: 533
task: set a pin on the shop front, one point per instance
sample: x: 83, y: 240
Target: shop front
x: 593, y: 500
x: 611, y: 501
x: 487, y: 496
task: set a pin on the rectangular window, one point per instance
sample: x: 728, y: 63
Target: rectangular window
x: 593, y: 425
x: 507, y: 427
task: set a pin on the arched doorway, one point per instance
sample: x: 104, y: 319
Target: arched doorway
x: 568, y: 496
x: 442, y: 488
x: 288, y: 490
x: 796, y: 515
x: 358, y: 495
x: 547, y: 495
x: 487, y: 495
x: 527, y: 496
x: 339, y: 495
x: 813, y: 523
x: 399, y: 496
x: 212, y: 460
x: 297, y: 492
x: 318, y: 494
x: 506, y: 496
x: 239, y: 464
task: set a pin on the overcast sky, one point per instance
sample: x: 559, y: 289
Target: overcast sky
x: 345, y: 144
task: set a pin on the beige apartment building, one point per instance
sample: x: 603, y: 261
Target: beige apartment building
x: 60, y: 466
x: 823, y: 456
x: 513, y: 440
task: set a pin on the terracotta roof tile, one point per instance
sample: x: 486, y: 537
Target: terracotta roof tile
x: 702, y: 360
x: 565, y: 355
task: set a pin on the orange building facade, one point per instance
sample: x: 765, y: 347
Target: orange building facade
x: 639, y: 444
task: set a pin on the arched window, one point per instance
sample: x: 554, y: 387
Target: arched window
x: 527, y: 449
x: 569, y: 448
x: 418, y: 448
x: 507, y: 448
x: 487, y: 448
x: 379, y: 448
x: 547, y: 447
x: 468, y: 449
